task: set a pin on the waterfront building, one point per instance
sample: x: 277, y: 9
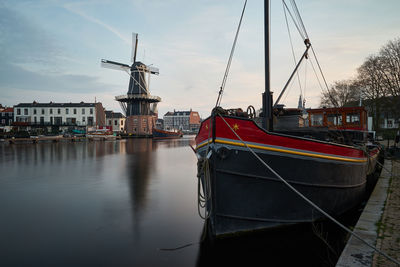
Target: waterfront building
x: 383, y: 113
x: 115, y: 121
x: 186, y: 121
x: 62, y: 116
x: 6, y: 119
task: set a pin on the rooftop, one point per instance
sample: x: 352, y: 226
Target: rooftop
x: 8, y: 110
x: 179, y: 113
x: 53, y: 104
x: 115, y: 115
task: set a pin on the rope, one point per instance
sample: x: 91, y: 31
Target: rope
x: 299, y: 17
x: 309, y: 201
x: 136, y: 81
x: 291, y: 45
x: 221, y: 90
x: 294, y: 21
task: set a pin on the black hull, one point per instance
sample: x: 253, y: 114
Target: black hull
x: 246, y: 196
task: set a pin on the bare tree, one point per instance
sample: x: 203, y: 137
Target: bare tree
x: 371, y: 78
x: 379, y: 81
x: 390, y: 54
x: 341, y: 93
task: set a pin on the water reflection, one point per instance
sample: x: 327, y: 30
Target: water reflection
x: 318, y: 244
x: 116, y: 202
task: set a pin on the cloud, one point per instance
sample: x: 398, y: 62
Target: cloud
x: 12, y: 75
x: 74, y: 8
x: 29, y: 60
x: 22, y: 41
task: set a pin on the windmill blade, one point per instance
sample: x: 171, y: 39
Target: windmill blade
x: 153, y: 70
x: 134, y: 46
x: 114, y: 65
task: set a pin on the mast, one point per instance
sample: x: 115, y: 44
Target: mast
x: 267, y: 95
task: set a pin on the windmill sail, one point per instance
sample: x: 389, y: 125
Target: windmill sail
x: 114, y: 65
x: 134, y: 46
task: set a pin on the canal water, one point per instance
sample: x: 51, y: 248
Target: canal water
x: 128, y: 203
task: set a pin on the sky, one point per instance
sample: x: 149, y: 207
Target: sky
x: 50, y: 50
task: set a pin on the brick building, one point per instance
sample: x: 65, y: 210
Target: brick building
x: 6, y: 119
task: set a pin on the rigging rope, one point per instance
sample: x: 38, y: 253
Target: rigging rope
x: 299, y: 17
x: 221, y: 90
x: 305, y: 85
x: 294, y: 21
x: 308, y: 200
x: 291, y: 45
x: 298, y: 22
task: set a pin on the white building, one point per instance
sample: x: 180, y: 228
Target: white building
x: 182, y: 120
x: 115, y: 121
x: 35, y: 114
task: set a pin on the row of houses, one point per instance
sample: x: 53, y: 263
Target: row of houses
x: 59, y: 117
x: 62, y: 117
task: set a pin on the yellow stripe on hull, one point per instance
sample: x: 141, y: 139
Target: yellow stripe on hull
x: 284, y: 151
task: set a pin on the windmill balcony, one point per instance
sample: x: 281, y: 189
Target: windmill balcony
x: 146, y: 97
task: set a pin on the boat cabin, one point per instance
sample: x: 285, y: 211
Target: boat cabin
x: 344, y: 118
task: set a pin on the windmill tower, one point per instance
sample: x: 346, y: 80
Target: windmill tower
x: 138, y: 105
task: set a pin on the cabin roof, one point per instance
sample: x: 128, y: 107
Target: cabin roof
x: 336, y: 110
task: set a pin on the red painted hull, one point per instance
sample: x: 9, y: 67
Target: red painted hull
x: 249, y: 131
x: 245, y: 196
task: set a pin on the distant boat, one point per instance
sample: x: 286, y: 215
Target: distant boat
x: 162, y: 134
x: 327, y: 162
x: 101, y: 134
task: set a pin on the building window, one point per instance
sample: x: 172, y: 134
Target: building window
x: 109, y: 122
x: 66, y: 111
x: 25, y: 111
x: 122, y: 123
x: 83, y: 119
x: 34, y: 111
x: 35, y: 119
x: 91, y: 111
x: 51, y: 111
x: 18, y: 111
x: 390, y: 124
x: 74, y: 110
x: 58, y: 111
x: 42, y: 110
x: 3, y: 121
x: 83, y: 111
x: 115, y: 122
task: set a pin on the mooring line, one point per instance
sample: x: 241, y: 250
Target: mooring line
x: 177, y: 248
x: 309, y: 201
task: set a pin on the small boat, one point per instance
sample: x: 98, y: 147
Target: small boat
x: 101, y: 135
x: 162, y: 134
x: 243, y: 163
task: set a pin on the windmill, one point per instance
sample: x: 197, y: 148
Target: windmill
x: 137, y: 102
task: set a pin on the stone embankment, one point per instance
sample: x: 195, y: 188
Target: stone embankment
x: 389, y: 225
x: 379, y: 224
